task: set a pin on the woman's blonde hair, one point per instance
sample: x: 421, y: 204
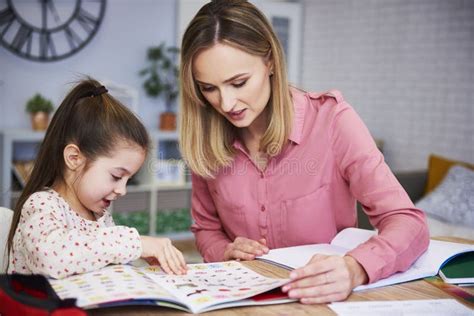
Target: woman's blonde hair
x: 206, y: 137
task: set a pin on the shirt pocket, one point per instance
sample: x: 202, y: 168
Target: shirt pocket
x: 308, y: 219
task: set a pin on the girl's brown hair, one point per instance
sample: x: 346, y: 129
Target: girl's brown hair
x: 206, y: 136
x: 89, y: 118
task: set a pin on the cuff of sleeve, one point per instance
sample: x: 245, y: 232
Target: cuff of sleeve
x: 215, y: 253
x: 372, y: 264
x: 138, y: 243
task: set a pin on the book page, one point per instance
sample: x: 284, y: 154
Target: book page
x: 351, y: 237
x: 111, y: 284
x: 207, y: 285
x: 296, y: 257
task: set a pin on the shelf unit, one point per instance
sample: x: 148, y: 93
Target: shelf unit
x: 8, y: 139
x: 144, y: 194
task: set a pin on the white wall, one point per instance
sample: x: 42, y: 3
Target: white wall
x: 117, y: 53
x: 406, y: 66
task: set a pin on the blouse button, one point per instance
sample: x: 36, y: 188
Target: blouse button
x: 261, y: 175
x: 262, y: 208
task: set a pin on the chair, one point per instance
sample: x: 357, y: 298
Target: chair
x: 6, y: 216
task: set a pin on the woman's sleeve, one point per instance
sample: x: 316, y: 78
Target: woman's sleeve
x: 211, y: 240
x: 402, y: 230
x: 53, y: 249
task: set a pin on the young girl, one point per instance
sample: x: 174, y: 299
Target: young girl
x: 61, y: 225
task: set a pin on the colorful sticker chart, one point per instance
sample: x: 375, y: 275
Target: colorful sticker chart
x: 205, y: 287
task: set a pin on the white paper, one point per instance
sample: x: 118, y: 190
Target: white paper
x: 427, y: 264
x: 296, y: 257
x: 441, y: 307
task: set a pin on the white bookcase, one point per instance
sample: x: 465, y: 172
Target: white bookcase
x: 8, y: 140
x: 148, y: 192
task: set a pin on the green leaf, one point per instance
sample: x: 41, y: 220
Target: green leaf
x: 38, y: 103
x: 161, y: 73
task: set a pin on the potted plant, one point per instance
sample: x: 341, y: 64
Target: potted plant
x: 161, y: 80
x: 39, y: 109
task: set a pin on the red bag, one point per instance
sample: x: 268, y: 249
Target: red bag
x: 32, y: 295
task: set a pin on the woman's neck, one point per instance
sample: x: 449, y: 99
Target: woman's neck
x: 255, y: 131
x: 252, y: 136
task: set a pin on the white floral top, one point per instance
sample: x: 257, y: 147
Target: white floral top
x: 53, y: 240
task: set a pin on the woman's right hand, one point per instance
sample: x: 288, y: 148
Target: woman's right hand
x: 245, y: 249
x: 169, y: 258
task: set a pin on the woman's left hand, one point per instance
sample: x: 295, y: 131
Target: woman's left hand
x: 325, y: 279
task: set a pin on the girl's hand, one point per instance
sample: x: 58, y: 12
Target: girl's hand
x: 325, y: 279
x: 245, y: 249
x: 161, y: 249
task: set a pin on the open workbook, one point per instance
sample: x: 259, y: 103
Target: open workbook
x: 439, y: 254
x: 205, y: 287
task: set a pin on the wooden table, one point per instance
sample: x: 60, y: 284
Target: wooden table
x: 414, y: 290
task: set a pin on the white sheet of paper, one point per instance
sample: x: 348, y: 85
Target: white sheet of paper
x: 441, y: 307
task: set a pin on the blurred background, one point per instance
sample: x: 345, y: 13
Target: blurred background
x: 406, y: 66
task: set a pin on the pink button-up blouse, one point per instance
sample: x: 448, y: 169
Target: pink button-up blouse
x: 308, y: 192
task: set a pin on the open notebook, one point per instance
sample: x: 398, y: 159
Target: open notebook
x: 428, y: 264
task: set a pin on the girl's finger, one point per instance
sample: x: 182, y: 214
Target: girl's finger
x: 164, y: 263
x: 181, y: 260
x: 172, y: 260
x: 177, y: 260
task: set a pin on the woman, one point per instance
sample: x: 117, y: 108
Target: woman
x: 274, y: 166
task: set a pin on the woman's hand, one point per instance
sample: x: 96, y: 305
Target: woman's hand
x: 245, y: 249
x: 325, y: 279
x: 161, y: 249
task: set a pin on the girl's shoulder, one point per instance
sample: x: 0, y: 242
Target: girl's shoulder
x: 39, y: 199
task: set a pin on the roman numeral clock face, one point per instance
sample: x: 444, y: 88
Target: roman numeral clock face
x: 49, y: 30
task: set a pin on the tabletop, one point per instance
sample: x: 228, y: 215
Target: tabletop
x: 415, y: 290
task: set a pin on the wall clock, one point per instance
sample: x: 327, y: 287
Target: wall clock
x: 49, y: 30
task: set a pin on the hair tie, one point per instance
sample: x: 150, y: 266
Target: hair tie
x: 99, y: 90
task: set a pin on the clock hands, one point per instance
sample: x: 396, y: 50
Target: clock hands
x: 45, y: 6
x: 44, y: 13
x: 53, y: 30
x: 52, y: 8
